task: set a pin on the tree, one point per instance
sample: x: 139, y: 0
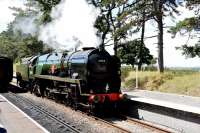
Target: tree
x: 192, y: 3
x: 188, y: 26
x: 160, y: 7
x: 15, y: 43
x: 157, y: 10
x: 190, y: 51
x: 129, y: 53
x: 7, y: 46
x: 185, y: 26
x: 113, y: 23
x: 133, y: 14
x: 46, y: 8
x: 30, y: 46
x: 42, y: 7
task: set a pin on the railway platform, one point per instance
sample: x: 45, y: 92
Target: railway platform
x: 173, y: 101
x: 178, y: 112
x: 15, y: 121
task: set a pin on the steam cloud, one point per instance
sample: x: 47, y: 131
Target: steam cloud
x: 26, y: 24
x: 72, y: 26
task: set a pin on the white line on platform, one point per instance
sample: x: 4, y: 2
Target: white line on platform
x: 176, y: 106
x: 37, y: 124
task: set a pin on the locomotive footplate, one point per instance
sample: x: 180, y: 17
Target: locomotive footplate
x: 56, y: 78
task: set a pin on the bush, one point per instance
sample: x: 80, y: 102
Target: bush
x: 151, y: 68
x: 125, y: 72
x: 130, y: 84
x: 156, y: 81
x: 172, y: 81
x: 147, y: 80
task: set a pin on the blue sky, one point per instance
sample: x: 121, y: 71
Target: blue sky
x: 172, y: 57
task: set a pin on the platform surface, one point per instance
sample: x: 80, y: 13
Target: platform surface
x: 179, y: 102
x: 16, y: 121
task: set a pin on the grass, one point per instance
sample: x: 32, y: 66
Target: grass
x: 185, y: 82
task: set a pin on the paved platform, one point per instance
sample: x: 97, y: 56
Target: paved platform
x: 178, y: 102
x: 16, y: 121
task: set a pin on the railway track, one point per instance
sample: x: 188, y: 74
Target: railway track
x: 43, y: 111
x: 105, y: 121
x: 132, y: 125
x: 148, y: 127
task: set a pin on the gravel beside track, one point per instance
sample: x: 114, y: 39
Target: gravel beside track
x: 55, y: 117
x: 150, y: 126
x: 137, y: 126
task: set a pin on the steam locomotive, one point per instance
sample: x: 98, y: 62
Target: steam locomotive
x: 6, y: 73
x: 89, y: 78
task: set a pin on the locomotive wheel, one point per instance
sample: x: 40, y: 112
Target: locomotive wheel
x: 36, y: 90
x: 91, y: 109
x: 21, y: 84
x: 47, y: 94
x: 67, y: 100
x: 74, y: 105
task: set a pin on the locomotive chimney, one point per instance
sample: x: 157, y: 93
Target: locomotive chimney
x: 87, y: 48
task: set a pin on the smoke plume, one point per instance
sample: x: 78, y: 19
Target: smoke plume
x: 72, y: 26
x: 26, y: 25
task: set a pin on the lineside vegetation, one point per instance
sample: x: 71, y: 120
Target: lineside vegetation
x: 184, y: 82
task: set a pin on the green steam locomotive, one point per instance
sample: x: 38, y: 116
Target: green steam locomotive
x: 89, y: 78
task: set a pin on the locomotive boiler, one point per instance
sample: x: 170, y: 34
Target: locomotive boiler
x: 89, y: 78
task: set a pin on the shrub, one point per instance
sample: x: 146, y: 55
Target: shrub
x: 125, y: 72
x: 130, y: 83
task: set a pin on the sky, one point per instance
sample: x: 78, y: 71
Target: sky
x: 172, y: 57
x: 5, y: 13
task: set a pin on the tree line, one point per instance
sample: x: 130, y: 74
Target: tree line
x: 117, y: 21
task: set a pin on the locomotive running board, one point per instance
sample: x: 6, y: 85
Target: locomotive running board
x: 67, y: 80
x: 55, y: 78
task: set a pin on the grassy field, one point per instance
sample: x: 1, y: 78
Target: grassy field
x: 185, y: 82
